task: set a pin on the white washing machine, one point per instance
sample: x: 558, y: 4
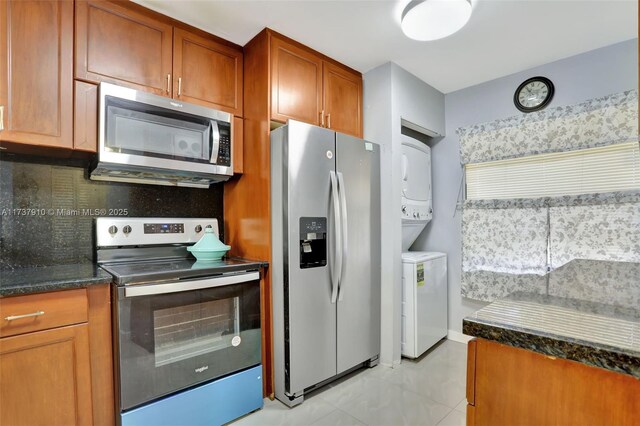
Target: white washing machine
x: 424, y: 301
x: 416, y: 189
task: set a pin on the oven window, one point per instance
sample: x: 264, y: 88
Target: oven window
x: 184, y: 332
x: 169, y: 342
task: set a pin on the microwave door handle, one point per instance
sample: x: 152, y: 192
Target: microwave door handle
x: 187, y: 285
x: 215, y: 144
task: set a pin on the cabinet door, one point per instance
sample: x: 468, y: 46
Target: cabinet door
x: 36, y: 72
x: 85, y: 113
x: 237, y: 137
x: 45, y: 378
x: 342, y: 97
x: 296, y: 83
x: 207, y: 72
x: 122, y: 46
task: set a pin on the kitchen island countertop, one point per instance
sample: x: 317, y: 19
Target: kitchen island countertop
x: 21, y: 281
x: 595, y: 327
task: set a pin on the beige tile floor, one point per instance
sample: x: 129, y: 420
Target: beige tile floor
x: 427, y: 391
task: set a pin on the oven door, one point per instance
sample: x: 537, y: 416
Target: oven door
x: 176, y: 335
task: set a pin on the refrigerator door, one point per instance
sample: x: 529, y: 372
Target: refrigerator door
x: 358, y: 168
x: 310, y: 315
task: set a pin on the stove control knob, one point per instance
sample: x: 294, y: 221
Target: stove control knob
x: 198, y: 228
x: 404, y: 209
x: 415, y: 214
x: 126, y: 230
x: 113, y: 229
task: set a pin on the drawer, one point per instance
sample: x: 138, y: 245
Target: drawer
x: 42, y: 311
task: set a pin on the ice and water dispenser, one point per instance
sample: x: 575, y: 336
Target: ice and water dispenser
x: 313, y: 242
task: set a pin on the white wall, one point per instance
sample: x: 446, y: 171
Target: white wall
x: 391, y: 94
x: 597, y: 73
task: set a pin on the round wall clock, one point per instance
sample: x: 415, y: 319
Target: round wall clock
x: 533, y: 94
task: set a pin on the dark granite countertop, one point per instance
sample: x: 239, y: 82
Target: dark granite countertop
x: 573, y: 324
x: 22, y: 281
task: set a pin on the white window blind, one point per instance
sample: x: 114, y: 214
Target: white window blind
x: 594, y: 170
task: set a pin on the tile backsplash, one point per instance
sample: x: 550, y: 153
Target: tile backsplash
x: 48, y: 206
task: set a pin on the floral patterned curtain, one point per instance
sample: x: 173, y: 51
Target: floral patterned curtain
x: 512, y: 241
x: 604, y: 232
x: 598, y: 122
x: 509, y: 245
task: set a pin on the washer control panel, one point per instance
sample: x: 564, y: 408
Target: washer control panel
x: 413, y: 210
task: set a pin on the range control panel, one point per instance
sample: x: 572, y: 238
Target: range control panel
x: 164, y: 228
x: 141, y: 231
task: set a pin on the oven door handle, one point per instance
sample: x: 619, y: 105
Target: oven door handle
x: 148, y: 290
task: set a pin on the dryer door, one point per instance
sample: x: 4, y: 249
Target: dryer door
x: 416, y: 171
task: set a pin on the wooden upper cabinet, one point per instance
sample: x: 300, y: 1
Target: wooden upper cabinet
x: 36, y: 72
x: 342, y: 96
x: 206, y: 72
x: 122, y: 46
x: 85, y: 110
x: 296, y: 83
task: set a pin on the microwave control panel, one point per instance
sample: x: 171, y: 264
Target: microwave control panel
x: 224, y: 151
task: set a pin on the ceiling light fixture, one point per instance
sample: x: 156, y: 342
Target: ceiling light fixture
x: 427, y: 20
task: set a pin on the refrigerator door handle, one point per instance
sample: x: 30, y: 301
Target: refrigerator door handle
x: 343, y: 205
x: 336, y: 270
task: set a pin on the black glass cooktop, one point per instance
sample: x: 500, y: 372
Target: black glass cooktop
x: 126, y: 273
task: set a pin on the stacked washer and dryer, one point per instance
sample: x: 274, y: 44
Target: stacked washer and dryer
x: 424, y: 274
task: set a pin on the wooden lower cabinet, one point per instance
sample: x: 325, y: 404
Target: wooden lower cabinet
x: 56, y: 367
x: 512, y: 386
x: 45, y: 378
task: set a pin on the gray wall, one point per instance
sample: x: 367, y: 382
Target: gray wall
x: 390, y: 95
x: 596, y: 73
x: 377, y: 119
x: 416, y: 101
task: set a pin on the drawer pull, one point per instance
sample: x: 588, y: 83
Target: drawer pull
x: 15, y: 317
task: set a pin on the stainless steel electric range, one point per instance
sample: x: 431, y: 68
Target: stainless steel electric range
x: 187, y: 334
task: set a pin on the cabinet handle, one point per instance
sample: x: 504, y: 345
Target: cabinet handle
x: 329, y: 120
x: 1, y: 117
x: 15, y: 317
x: 168, y: 83
x: 322, y: 118
x: 179, y: 86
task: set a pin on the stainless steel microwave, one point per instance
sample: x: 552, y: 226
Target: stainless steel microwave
x: 145, y: 138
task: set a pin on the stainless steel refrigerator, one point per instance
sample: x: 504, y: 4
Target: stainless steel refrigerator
x: 325, y: 223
